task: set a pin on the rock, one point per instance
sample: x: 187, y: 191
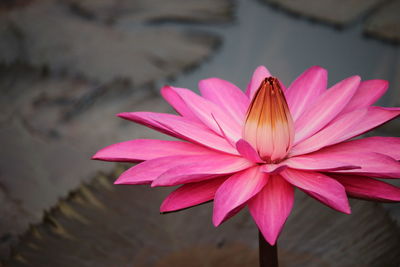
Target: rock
x: 101, y: 224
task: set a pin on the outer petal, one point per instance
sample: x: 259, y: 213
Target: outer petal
x: 305, y: 90
x: 368, y: 188
x: 345, y: 127
x: 374, y: 117
x: 191, y: 195
x: 372, y: 164
x: 211, y: 115
x: 367, y: 94
x: 271, y: 207
x: 148, y: 171
x: 146, y: 149
x: 197, y: 168
x: 213, y: 164
x: 306, y: 162
x: 182, y: 128
x: 226, y: 95
x: 389, y: 146
x: 321, y: 187
x: 335, y: 132
x: 235, y: 192
x: 259, y: 75
x: 326, y: 108
x: 177, y: 103
x: 247, y: 151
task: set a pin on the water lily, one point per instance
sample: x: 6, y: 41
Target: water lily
x: 252, y: 149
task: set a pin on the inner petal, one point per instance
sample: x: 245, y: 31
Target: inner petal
x: 269, y: 124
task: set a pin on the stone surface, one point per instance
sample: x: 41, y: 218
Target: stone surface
x: 51, y: 123
x: 63, y: 77
x: 151, y: 11
x: 82, y: 47
x: 385, y: 23
x: 105, y: 225
x: 382, y: 15
x: 338, y: 12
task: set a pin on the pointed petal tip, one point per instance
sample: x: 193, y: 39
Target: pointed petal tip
x: 347, y: 211
x: 164, y: 89
x: 164, y: 207
x: 355, y: 77
x: 262, y: 68
x: 99, y: 155
x: 351, y: 79
x: 271, y: 239
x: 216, y: 222
x: 123, y: 115
x: 384, y: 83
x: 155, y: 184
x: 208, y: 80
x: 95, y: 156
x: 160, y: 183
x: 118, y: 181
x: 272, y: 242
x: 317, y: 68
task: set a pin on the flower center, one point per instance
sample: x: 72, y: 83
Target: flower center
x: 269, y: 125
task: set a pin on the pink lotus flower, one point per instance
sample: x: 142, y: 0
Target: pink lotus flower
x: 251, y: 149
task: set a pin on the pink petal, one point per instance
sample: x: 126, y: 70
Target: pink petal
x: 372, y: 164
x: 326, y: 108
x: 146, y: 149
x: 259, y: 75
x: 271, y: 207
x: 389, y: 146
x: 306, y: 162
x: 177, y: 103
x: 345, y: 127
x: 235, y: 192
x: 211, y: 115
x: 273, y: 168
x: 374, y: 117
x: 226, y: 95
x: 247, y: 151
x: 305, y: 90
x: 197, y: 168
x: 335, y: 132
x: 191, y: 195
x: 367, y: 94
x: 148, y: 171
x: 182, y: 128
x: 368, y: 188
x: 319, y: 186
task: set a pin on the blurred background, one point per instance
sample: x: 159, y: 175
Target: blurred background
x: 68, y: 66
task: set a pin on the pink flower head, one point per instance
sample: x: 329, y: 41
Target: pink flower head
x: 252, y: 149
